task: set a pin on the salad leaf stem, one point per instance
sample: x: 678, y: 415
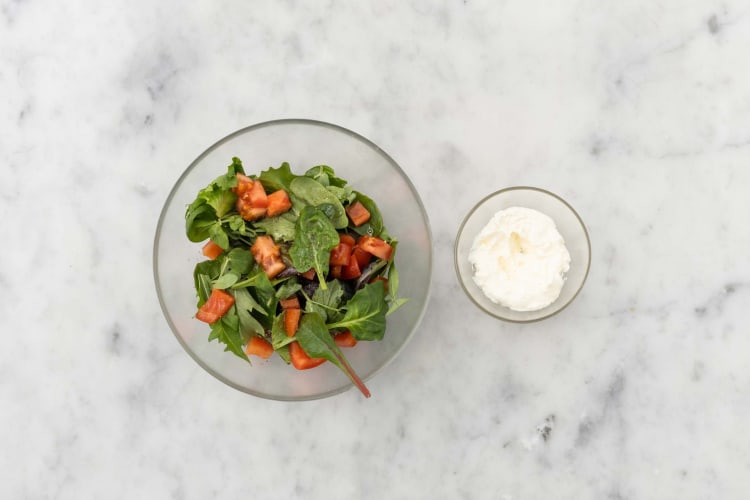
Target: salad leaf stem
x: 317, y: 342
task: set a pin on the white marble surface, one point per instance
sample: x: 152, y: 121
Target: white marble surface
x: 637, y: 112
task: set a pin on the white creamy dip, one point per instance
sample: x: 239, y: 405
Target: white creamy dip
x: 520, y: 259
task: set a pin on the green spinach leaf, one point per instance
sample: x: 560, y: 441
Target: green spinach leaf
x: 218, y: 194
x: 262, y: 290
x: 225, y: 281
x: 246, y: 304
x: 392, y: 273
x: 222, y: 200
x: 317, y: 342
x: 203, y: 289
x: 281, y: 227
x: 313, y: 193
x: 240, y: 260
x: 288, y: 288
x: 325, y: 175
x: 236, y: 223
x: 274, y: 179
x: 396, y: 304
x: 199, y: 219
x: 203, y: 274
x: 234, y: 264
x: 218, y: 235
x: 365, y: 313
x: 279, y: 338
x: 213, y: 202
x: 327, y: 303
x: 227, y: 331
x: 344, y: 194
x: 314, y: 238
x: 265, y: 293
x: 393, y: 283
x: 374, y: 226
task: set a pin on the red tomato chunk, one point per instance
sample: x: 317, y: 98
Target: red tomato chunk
x: 212, y: 250
x: 215, y: 307
x: 259, y: 347
x: 300, y: 359
x: 345, y: 339
x: 375, y: 246
x: 278, y: 203
x: 267, y: 254
x: 357, y: 213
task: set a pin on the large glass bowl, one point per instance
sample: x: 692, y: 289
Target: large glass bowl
x: 302, y: 143
x: 568, y: 223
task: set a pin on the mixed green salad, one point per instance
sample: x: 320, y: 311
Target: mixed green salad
x: 297, y: 265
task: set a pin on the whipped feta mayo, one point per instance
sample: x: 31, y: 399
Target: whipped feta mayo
x: 520, y: 259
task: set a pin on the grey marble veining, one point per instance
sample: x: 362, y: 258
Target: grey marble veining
x: 638, y: 113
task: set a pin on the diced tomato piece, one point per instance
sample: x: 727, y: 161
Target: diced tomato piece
x: 247, y: 211
x: 278, y: 203
x: 300, y: 359
x: 363, y: 258
x: 358, y: 213
x: 215, y: 307
x: 212, y: 250
x: 335, y: 271
x: 244, y: 183
x: 375, y: 246
x: 348, y: 239
x: 251, y: 198
x: 290, y: 303
x: 273, y: 269
x: 380, y: 278
x: 291, y: 321
x: 341, y: 254
x: 257, y: 196
x: 267, y: 254
x: 309, y: 274
x: 345, y: 339
x: 351, y: 270
x: 260, y: 347
x: 264, y: 247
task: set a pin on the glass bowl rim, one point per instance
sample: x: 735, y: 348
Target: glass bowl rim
x: 227, y: 138
x: 482, y: 202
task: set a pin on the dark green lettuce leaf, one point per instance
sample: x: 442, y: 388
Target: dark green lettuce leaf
x: 365, y: 313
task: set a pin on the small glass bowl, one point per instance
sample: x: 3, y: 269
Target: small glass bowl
x: 568, y: 223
